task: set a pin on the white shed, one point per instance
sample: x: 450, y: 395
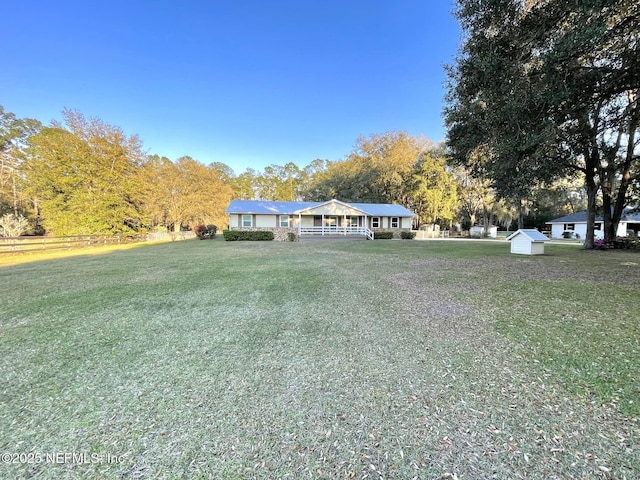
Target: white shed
x: 480, y: 231
x: 527, y: 241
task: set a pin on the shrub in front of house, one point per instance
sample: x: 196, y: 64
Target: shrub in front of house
x: 291, y: 236
x: 602, y: 244
x: 620, y: 243
x: 626, y: 243
x: 250, y: 235
x: 382, y: 235
x: 407, y: 235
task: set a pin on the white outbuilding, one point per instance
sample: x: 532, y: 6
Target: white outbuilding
x: 527, y: 241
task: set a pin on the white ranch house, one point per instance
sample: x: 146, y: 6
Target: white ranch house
x: 576, y: 223
x: 332, y: 217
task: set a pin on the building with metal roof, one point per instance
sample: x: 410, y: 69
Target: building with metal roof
x: 576, y: 224
x: 332, y: 217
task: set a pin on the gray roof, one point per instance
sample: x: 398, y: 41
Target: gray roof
x: 629, y: 214
x: 531, y: 233
x: 290, y: 208
x: 579, y: 217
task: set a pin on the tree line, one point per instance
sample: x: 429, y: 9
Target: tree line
x: 84, y: 176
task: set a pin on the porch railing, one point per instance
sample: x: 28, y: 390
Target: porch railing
x: 336, y: 230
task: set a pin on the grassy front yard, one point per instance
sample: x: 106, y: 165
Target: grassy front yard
x: 384, y: 359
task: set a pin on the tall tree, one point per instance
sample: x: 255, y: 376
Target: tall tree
x: 83, y: 177
x: 14, y: 133
x: 185, y: 193
x: 544, y: 86
x: 392, y: 167
x: 497, y: 122
x: 432, y: 192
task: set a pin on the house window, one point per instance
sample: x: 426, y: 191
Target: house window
x: 284, y: 221
x: 570, y: 226
x: 352, y: 221
x: 597, y: 226
x: 247, y: 220
x: 375, y: 222
x: 317, y: 221
x: 395, y: 222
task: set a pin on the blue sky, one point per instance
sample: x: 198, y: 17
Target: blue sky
x: 248, y: 83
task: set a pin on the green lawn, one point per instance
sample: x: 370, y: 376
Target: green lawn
x: 337, y: 359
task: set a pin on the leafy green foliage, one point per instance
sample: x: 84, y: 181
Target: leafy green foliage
x: 407, y: 235
x: 382, y: 235
x: 542, y: 88
x: 251, y: 235
x: 14, y: 133
x: 184, y: 192
x: 84, y: 177
x: 619, y: 243
x: 393, y: 167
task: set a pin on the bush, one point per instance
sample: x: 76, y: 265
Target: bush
x: 13, y: 225
x: 620, y: 243
x: 407, y: 235
x: 291, y: 236
x: 626, y: 243
x: 205, y: 231
x: 567, y: 234
x: 382, y: 235
x: 255, y: 235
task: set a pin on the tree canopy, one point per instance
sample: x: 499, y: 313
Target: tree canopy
x: 541, y: 88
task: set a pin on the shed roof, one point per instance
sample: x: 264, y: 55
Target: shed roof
x: 289, y: 208
x: 531, y: 233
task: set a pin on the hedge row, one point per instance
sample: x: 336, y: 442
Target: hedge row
x: 620, y: 243
x: 382, y: 235
x: 255, y: 235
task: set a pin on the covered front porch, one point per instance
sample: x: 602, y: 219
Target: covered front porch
x: 333, y: 218
x: 336, y: 226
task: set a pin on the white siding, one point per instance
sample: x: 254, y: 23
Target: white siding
x: 520, y: 245
x: 581, y: 229
x: 233, y: 220
x: 405, y: 222
x: 622, y: 229
x: 537, y: 248
x: 332, y: 209
x: 266, y: 221
x: 307, y: 221
x: 556, y: 230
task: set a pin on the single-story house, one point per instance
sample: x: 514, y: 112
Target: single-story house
x: 332, y: 217
x: 576, y: 223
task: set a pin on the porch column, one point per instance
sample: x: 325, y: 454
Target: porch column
x: 344, y: 222
x: 299, y: 224
x: 323, y: 224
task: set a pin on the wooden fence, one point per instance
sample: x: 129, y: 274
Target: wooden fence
x: 39, y: 244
